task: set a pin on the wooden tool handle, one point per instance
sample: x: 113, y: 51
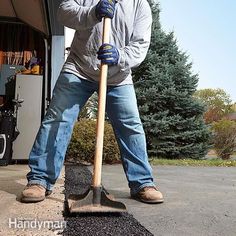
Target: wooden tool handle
x: 97, y: 172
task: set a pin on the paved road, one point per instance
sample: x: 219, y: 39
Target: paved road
x: 199, y: 201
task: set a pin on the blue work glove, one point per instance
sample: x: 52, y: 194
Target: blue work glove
x: 108, y: 54
x: 105, y: 8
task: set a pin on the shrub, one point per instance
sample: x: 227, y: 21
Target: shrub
x: 82, y: 145
x: 224, y: 138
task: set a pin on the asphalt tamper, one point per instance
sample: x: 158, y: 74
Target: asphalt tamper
x: 96, y: 198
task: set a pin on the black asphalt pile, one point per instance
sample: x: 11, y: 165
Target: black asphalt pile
x: 77, y: 181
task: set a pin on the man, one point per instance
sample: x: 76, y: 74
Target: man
x: 129, y: 42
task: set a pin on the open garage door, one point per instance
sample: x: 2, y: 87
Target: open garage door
x: 29, y: 35
x: 31, y: 12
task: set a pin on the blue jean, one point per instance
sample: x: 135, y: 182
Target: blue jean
x: 69, y: 96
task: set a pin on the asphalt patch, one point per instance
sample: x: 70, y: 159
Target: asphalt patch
x: 77, y: 181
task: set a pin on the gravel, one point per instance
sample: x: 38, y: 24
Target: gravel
x: 77, y: 181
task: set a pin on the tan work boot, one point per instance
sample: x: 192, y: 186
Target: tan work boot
x: 34, y: 193
x: 149, y: 194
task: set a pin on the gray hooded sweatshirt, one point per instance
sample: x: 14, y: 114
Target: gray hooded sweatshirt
x: 130, y: 33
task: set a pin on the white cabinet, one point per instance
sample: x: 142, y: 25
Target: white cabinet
x: 29, y: 88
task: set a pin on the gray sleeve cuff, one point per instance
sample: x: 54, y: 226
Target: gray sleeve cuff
x: 121, y: 61
x: 92, y: 15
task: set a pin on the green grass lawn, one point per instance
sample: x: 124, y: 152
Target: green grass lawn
x: 193, y: 162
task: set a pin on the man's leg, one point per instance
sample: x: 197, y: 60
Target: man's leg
x: 47, y: 155
x: 123, y: 113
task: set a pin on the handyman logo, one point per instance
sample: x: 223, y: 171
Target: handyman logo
x: 15, y: 223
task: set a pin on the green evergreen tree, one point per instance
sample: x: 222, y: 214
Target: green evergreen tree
x: 164, y: 83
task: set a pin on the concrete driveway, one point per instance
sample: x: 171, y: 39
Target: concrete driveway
x: 14, y: 214
x: 199, y: 201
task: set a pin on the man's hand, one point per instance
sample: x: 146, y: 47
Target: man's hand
x: 108, y: 54
x: 105, y: 8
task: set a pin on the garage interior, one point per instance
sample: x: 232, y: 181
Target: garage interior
x: 29, y: 67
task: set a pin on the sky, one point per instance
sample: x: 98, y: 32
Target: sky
x: 206, y: 31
